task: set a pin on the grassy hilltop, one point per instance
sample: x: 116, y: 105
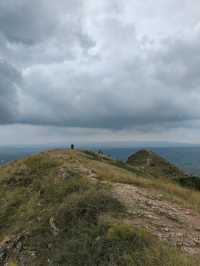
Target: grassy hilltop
x: 80, y: 208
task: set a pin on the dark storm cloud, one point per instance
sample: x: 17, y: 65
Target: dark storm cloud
x: 40, y: 32
x: 31, y: 22
x: 25, y: 22
x: 9, y: 78
x: 96, y: 64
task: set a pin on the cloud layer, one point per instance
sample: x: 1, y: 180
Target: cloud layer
x: 9, y: 80
x: 100, y: 64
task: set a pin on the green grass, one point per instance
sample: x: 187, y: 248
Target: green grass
x: 155, y: 165
x: 60, y: 220
x: 170, y: 190
x: 192, y: 182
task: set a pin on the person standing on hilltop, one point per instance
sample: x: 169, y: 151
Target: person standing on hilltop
x: 72, y: 146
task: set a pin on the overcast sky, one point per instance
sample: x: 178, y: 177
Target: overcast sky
x: 89, y: 70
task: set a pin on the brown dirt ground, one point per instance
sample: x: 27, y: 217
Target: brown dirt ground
x: 179, y: 226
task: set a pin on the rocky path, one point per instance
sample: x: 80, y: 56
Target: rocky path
x: 170, y: 222
x: 147, y: 208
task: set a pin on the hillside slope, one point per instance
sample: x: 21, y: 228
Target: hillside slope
x: 67, y: 207
x: 155, y: 165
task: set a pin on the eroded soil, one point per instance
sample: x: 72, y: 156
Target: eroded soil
x: 179, y: 226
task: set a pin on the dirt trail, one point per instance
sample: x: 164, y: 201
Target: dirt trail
x: 170, y: 222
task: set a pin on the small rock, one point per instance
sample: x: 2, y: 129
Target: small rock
x: 19, y: 246
x: 3, y: 253
x: 179, y: 234
x: 166, y: 229
x: 149, y: 216
x: 188, y: 212
x: 53, y: 226
x: 33, y: 253
x: 49, y: 245
x: 188, y: 243
x: 197, y: 241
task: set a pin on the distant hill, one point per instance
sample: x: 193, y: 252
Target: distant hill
x: 82, y: 208
x: 155, y: 165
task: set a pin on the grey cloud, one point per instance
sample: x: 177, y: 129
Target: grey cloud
x: 128, y: 95
x: 26, y: 22
x: 178, y: 63
x: 85, y: 65
x: 39, y: 32
x: 9, y: 78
